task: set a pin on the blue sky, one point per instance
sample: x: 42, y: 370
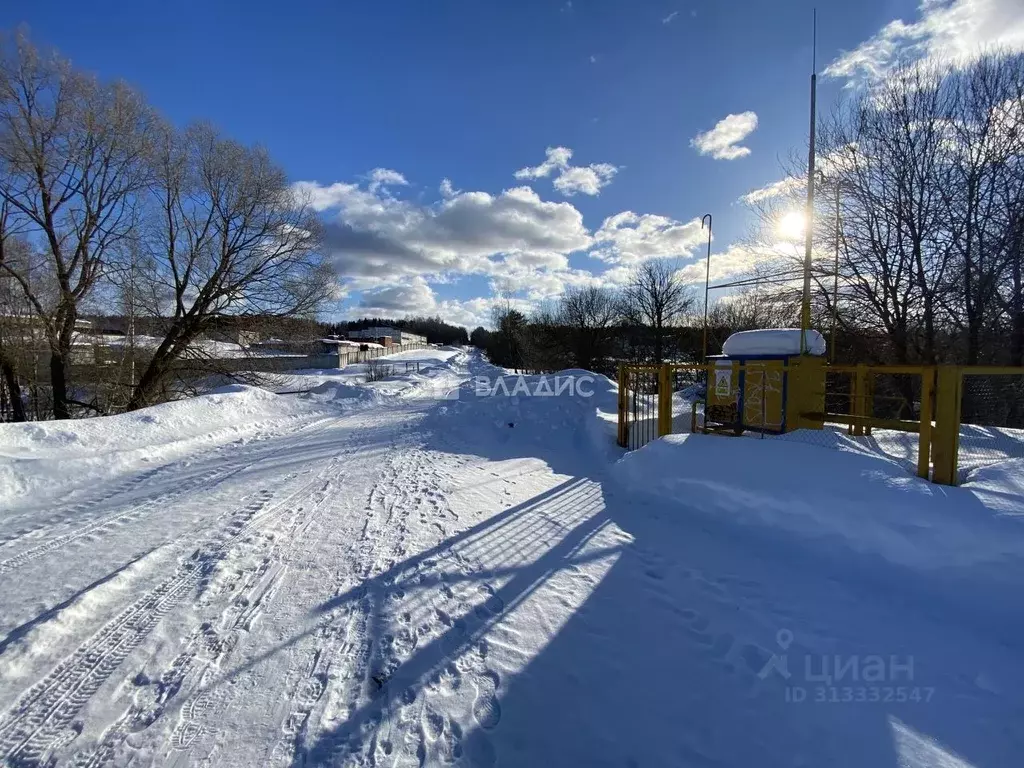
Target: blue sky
x: 375, y: 104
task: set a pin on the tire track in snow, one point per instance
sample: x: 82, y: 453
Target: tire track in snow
x: 55, y: 517
x: 205, y: 479
x: 138, y: 481
x: 132, y: 513
x: 198, y: 666
x: 44, y: 718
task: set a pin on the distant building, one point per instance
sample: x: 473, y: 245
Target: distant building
x: 383, y: 332
x: 335, y: 345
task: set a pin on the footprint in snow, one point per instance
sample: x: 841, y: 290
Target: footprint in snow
x: 486, y: 709
x: 491, y: 606
x: 432, y: 724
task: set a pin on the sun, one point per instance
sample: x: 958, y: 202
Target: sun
x: 791, y: 225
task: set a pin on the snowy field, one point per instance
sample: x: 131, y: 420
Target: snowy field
x: 425, y: 570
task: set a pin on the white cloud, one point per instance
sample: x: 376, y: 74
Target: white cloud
x: 322, y: 198
x: 478, y: 311
x: 722, y: 141
x: 586, y: 181
x: 393, y: 252
x: 412, y: 297
x: 618, y: 276
x: 556, y: 159
x: 376, y: 239
x: 538, y: 286
x: 946, y: 31
x: 827, y: 163
x: 593, y: 59
x: 668, y: 19
x: 381, y: 178
x: 734, y: 262
x: 629, y: 238
x: 447, y: 190
x: 570, y: 179
x: 780, y: 188
x: 417, y: 299
x: 469, y: 314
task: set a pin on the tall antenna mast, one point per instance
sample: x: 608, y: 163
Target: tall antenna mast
x: 805, y: 309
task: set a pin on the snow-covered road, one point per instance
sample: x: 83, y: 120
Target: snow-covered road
x: 419, y: 580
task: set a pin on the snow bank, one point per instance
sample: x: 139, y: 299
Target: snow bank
x: 563, y: 417
x: 773, y: 341
x: 40, y: 458
x: 342, y: 393
x: 428, y: 355
x: 1000, y: 486
x: 437, y: 374
x: 842, y: 500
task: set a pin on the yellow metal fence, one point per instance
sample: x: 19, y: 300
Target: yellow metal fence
x: 938, y: 421
x: 888, y: 408
x: 985, y: 422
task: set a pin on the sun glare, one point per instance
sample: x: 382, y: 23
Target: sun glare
x: 791, y: 225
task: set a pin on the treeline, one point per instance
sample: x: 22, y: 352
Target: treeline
x: 595, y: 328
x: 106, y: 207
x: 921, y: 197
x: 435, y: 329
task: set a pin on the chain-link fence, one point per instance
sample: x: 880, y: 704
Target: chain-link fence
x: 874, y: 410
x: 839, y: 392
x: 896, y: 397
x: 991, y: 417
x: 937, y: 422
x: 689, y: 385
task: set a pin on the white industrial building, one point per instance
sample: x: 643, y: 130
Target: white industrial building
x: 380, y: 332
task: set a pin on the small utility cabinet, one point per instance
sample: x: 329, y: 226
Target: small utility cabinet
x: 764, y: 382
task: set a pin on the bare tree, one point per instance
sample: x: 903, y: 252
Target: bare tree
x: 886, y: 161
x: 13, y: 317
x: 924, y: 202
x: 1010, y: 191
x: 656, y: 298
x: 226, y: 238
x: 756, y: 307
x: 72, y: 154
x: 982, y: 194
x: 589, y: 314
x: 509, y: 337
x: 542, y: 340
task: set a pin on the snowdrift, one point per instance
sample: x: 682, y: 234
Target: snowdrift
x: 952, y: 551
x: 41, y: 458
x: 346, y: 388
x: 568, y: 418
x: 848, y: 497
x: 1000, y: 486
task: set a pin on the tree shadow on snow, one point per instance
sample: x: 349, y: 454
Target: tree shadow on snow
x: 671, y: 650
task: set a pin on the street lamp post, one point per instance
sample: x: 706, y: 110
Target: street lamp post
x: 805, y: 308
x: 707, y: 281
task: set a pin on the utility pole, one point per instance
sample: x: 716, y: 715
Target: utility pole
x: 805, y: 310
